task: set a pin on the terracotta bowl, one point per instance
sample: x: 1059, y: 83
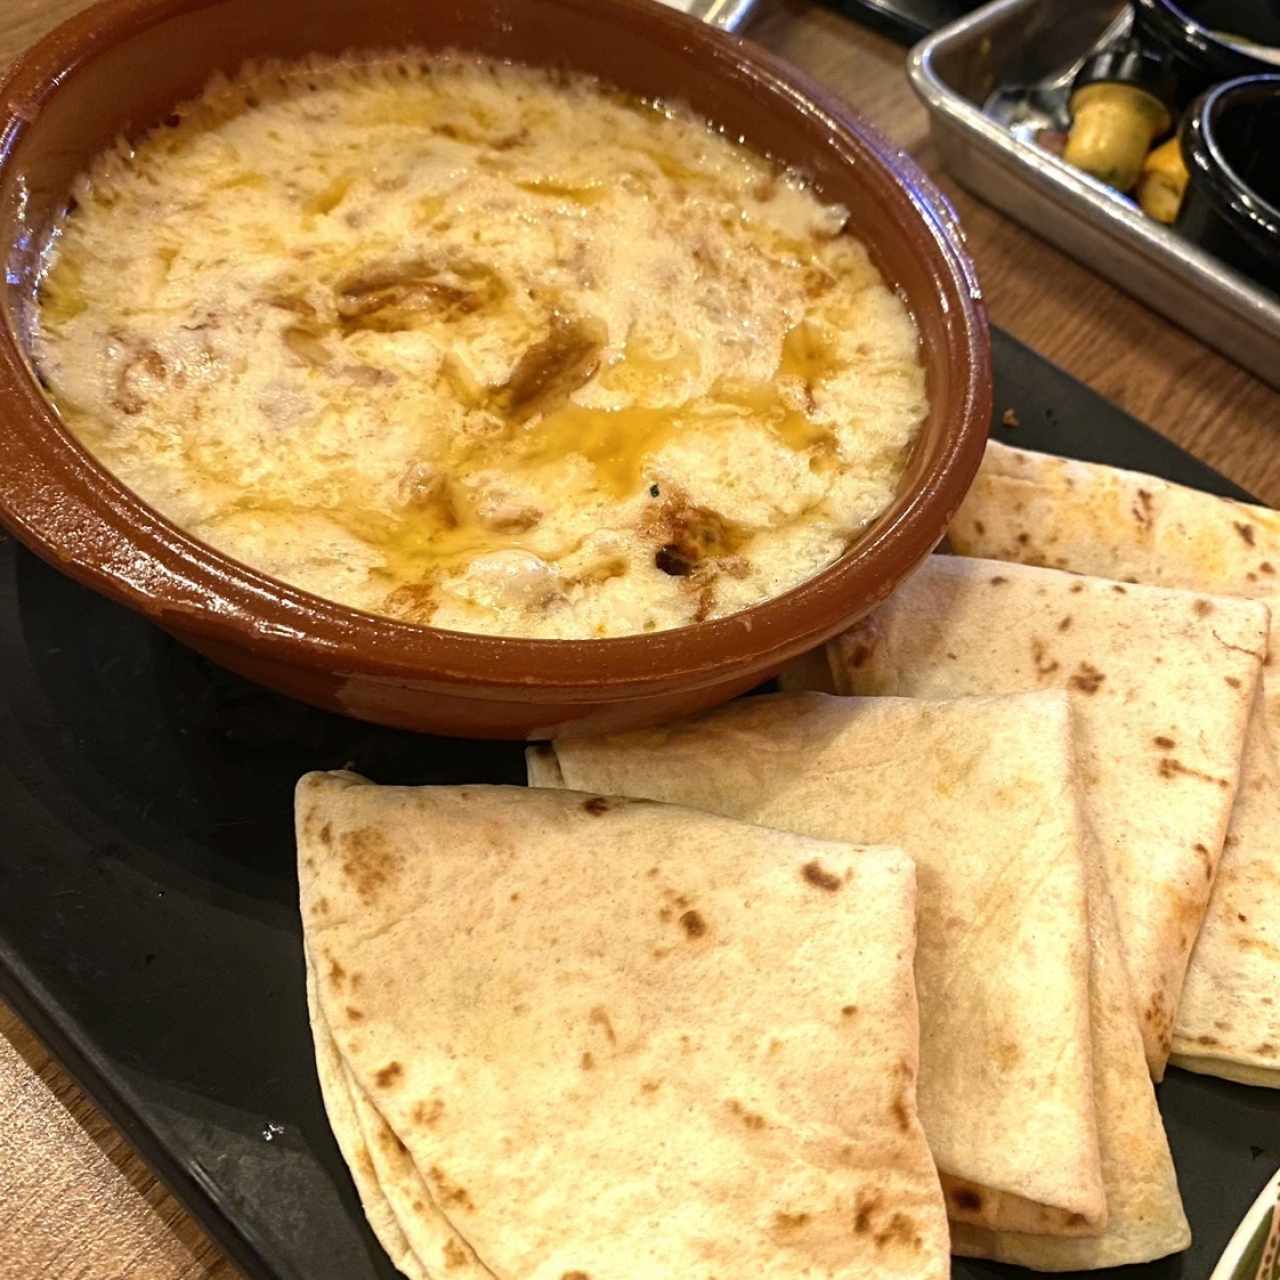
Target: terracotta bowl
x: 119, y: 67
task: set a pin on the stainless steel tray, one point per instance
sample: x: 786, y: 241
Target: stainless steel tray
x: 955, y: 71
x: 729, y: 15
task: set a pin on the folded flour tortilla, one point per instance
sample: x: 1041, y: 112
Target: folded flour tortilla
x: 973, y: 626
x: 341, y: 1106
x: 1158, y: 788
x: 565, y: 1036
x: 982, y: 792
x: 1101, y: 520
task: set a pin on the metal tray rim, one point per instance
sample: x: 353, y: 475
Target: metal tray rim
x: 1077, y: 193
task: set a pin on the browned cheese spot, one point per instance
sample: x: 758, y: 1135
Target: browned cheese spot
x: 1044, y: 665
x: 1246, y: 532
x: 370, y: 862
x: 816, y: 874
x: 601, y: 1018
x: 1076, y: 588
x: 694, y: 925
x: 552, y: 369
x: 1244, y: 919
x: 427, y: 1114
x: 1065, y: 623
x: 449, y: 1192
x: 1267, y: 567
x: 749, y: 1118
x: 587, y: 1062
x: 1165, y: 744
x: 692, y: 539
x: 596, y: 806
x: 789, y: 1221
x: 1202, y: 608
x: 386, y: 1076
x: 1088, y: 679
x: 669, y: 559
x: 849, y: 1010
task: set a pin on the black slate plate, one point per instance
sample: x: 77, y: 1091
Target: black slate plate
x: 148, y: 928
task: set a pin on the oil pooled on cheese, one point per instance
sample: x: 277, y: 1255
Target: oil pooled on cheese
x: 479, y: 346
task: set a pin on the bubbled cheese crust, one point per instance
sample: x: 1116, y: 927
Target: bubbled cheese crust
x: 477, y: 346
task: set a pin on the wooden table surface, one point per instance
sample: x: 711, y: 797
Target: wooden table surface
x: 76, y: 1203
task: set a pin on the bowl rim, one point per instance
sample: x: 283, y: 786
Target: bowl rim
x: 74, y: 512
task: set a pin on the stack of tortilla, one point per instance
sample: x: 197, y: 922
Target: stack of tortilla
x: 656, y: 1014
x: 1096, y: 519
x: 1034, y: 1088
x: 564, y: 1037
x: 1160, y: 682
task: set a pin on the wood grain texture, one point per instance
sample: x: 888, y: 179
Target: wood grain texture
x: 76, y: 1203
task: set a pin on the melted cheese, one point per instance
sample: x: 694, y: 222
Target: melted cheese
x: 480, y: 347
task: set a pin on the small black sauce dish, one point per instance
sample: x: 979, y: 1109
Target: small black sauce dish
x: 1229, y: 138
x: 1195, y: 41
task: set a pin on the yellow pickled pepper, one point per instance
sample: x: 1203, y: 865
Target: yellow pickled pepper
x: 1119, y: 107
x: 1163, y: 182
